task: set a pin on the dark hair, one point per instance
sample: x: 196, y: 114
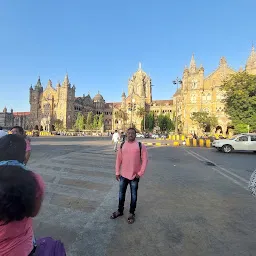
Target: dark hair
x: 17, y: 193
x: 131, y: 128
x: 1, y: 128
x: 115, y: 130
x: 20, y: 129
x: 12, y: 147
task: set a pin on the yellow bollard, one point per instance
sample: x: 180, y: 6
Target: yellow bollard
x: 201, y: 142
x: 194, y: 143
x: 176, y: 143
x: 182, y: 137
x: 208, y: 143
x: 158, y: 144
x: 188, y: 142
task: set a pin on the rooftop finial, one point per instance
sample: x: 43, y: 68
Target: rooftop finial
x: 139, y: 65
x: 192, y: 65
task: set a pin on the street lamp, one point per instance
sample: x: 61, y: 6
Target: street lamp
x: 132, y: 107
x: 177, y: 82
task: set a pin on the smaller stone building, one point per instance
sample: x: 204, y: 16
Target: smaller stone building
x: 6, y: 119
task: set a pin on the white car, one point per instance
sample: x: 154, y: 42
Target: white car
x: 155, y: 136
x: 139, y: 135
x: 244, y: 141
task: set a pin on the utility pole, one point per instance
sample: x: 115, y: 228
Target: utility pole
x: 177, y: 82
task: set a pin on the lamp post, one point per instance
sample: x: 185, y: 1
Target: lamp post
x: 132, y: 107
x: 177, y: 82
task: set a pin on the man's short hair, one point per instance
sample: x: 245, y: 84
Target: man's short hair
x: 21, y: 130
x: 132, y: 128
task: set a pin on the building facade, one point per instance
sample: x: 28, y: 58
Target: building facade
x: 60, y: 103
x: 6, y: 119
x: 202, y: 93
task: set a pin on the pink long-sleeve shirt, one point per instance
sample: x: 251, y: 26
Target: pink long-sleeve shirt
x: 128, y: 162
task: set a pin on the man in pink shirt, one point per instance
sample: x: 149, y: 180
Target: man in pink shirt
x: 131, y: 163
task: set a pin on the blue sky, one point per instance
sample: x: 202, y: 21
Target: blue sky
x: 100, y: 43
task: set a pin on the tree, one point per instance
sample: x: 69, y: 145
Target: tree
x: 165, y: 123
x: 151, y: 121
x: 141, y: 112
x: 204, y: 120
x: 240, y: 100
x: 95, y: 121
x: 80, y: 122
x: 89, y: 120
x: 101, y: 121
x: 120, y: 114
x: 58, y: 124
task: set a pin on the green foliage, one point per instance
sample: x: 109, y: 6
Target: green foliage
x: 95, y: 122
x: 149, y: 121
x: 101, y: 121
x: 80, y: 122
x: 204, y: 120
x: 89, y: 121
x: 240, y: 101
x: 165, y: 123
x: 58, y: 124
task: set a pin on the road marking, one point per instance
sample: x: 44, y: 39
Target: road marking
x: 230, y: 178
x: 223, y: 171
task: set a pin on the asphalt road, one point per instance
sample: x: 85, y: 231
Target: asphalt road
x: 192, y: 201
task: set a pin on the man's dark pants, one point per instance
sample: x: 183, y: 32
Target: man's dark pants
x: 134, y: 184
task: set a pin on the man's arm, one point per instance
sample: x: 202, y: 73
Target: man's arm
x: 144, y: 159
x: 118, y: 163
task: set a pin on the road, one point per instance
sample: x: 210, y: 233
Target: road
x: 192, y: 201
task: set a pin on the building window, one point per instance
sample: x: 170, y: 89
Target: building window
x: 193, y: 98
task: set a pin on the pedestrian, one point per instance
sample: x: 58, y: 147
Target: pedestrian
x: 122, y: 137
x: 131, y: 163
x: 20, y: 131
x: 21, y: 196
x: 2, y: 132
x: 115, y: 139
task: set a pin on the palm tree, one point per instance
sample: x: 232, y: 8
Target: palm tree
x: 141, y: 112
x: 120, y: 114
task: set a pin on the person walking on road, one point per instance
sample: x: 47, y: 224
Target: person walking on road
x: 115, y: 139
x: 132, y: 159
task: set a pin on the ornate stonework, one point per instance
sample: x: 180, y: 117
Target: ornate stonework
x: 200, y: 93
x: 49, y: 104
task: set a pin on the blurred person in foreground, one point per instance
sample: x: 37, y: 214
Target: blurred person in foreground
x: 21, y: 196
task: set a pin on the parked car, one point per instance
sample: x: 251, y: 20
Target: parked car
x: 146, y: 135
x: 139, y: 135
x: 155, y: 136
x: 244, y: 141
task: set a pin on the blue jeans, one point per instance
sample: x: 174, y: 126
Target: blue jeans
x: 134, y: 184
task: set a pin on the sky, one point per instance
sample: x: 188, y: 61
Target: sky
x: 100, y: 43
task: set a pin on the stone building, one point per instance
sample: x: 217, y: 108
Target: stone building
x: 60, y: 103
x: 6, y: 119
x: 202, y: 93
x: 22, y: 119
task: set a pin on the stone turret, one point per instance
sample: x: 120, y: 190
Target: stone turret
x: 251, y: 62
x: 192, y: 66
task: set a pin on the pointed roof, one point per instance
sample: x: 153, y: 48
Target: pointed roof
x: 49, y: 83
x: 66, y: 80
x: 38, y: 84
x: 251, y: 61
x: 192, y: 65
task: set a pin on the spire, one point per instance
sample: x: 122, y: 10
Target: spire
x: 192, y: 66
x: 66, y: 80
x: 49, y: 83
x: 251, y: 62
x: 223, y: 62
x: 38, y: 84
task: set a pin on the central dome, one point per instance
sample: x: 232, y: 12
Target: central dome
x: 98, y: 97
